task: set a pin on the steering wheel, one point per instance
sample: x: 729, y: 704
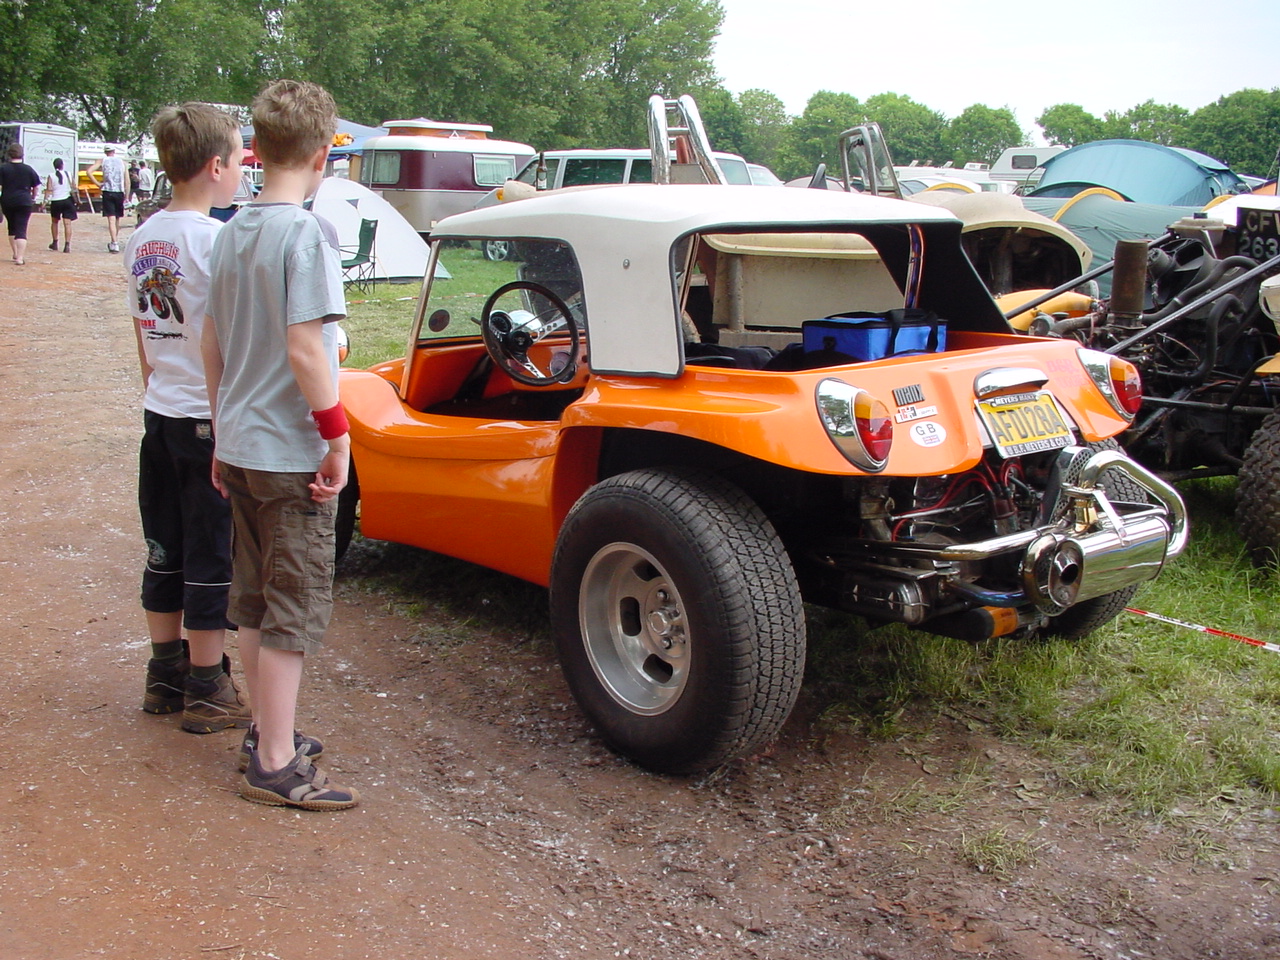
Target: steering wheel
x: 510, y: 333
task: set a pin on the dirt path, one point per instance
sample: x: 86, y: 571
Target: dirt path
x: 493, y: 825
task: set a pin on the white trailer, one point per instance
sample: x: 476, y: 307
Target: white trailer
x: 41, y: 144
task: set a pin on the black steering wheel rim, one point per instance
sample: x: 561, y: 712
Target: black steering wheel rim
x: 509, y: 348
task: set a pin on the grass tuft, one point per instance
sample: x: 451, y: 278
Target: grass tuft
x: 998, y: 853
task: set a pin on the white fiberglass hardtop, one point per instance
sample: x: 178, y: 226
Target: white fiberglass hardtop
x: 624, y: 239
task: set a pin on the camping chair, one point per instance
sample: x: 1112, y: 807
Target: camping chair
x: 357, y: 262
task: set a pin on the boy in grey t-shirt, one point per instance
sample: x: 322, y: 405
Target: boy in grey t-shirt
x: 282, y: 445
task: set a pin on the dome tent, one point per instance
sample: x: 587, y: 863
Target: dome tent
x: 399, y: 253
x: 1139, y: 171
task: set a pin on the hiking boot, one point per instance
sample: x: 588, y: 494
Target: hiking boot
x: 54, y: 245
x: 299, y: 784
x: 310, y: 746
x: 66, y: 247
x: 213, y: 705
x: 166, y: 682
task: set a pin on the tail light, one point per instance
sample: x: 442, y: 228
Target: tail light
x: 344, y: 344
x: 1116, y: 379
x: 858, y: 424
x: 1127, y: 384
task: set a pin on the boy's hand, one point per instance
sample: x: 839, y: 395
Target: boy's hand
x: 332, y: 475
x: 217, y: 480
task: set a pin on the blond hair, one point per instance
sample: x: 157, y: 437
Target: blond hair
x: 188, y: 136
x: 292, y: 119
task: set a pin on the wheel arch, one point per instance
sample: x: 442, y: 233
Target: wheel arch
x: 588, y: 455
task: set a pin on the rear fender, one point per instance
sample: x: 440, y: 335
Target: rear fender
x: 773, y: 417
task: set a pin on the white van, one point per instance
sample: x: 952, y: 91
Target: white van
x: 577, y: 168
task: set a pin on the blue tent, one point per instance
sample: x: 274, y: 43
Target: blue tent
x: 1139, y: 171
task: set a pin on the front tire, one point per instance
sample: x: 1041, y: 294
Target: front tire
x: 677, y: 618
x: 1258, y: 494
x: 498, y: 249
x: 344, y: 524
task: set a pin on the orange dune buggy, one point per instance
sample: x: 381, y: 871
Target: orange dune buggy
x: 689, y: 409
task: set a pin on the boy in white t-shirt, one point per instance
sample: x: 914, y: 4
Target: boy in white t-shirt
x: 186, y: 522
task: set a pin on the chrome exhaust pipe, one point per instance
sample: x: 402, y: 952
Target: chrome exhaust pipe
x: 1060, y: 570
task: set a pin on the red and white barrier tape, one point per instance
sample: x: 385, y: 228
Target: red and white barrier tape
x: 1274, y: 648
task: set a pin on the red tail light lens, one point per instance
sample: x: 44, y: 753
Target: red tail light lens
x: 1126, y: 383
x: 1116, y: 379
x: 875, y: 426
x: 857, y: 423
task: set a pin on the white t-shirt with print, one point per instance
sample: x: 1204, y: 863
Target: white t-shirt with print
x: 113, y: 176
x: 167, y: 261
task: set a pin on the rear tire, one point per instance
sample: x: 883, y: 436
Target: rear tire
x: 677, y: 618
x: 1079, y: 621
x: 1258, y: 494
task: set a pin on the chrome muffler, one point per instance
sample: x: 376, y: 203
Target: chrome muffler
x: 1100, y: 550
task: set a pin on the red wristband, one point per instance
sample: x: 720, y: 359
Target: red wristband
x: 332, y: 422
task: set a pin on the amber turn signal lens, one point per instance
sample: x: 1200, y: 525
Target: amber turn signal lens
x: 1126, y: 382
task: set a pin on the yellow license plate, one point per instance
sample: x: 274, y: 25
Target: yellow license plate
x: 1024, y: 423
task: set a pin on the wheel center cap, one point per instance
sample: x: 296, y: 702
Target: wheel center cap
x: 659, y: 623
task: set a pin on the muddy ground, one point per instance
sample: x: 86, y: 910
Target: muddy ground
x: 494, y: 824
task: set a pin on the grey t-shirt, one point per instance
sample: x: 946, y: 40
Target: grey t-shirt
x: 273, y: 265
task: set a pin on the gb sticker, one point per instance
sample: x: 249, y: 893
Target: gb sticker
x: 928, y: 433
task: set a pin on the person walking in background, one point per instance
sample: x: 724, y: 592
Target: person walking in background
x: 271, y: 359
x: 186, y: 522
x: 114, y: 182
x: 132, y: 196
x: 146, y: 181
x: 59, y: 196
x: 19, y: 184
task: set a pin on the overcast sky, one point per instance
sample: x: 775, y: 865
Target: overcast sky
x: 1100, y: 54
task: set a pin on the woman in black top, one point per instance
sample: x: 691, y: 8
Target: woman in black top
x: 18, y: 186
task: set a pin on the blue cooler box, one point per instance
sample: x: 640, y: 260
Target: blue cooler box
x: 874, y: 336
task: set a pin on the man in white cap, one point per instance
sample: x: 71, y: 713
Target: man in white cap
x: 113, y: 188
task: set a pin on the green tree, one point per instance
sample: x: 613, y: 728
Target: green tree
x: 1149, y: 121
x: 1241, y: 129
x: 561, y: 73
x: 444, y: 59
x: 766, y: 121
x: 721, y: 115
x: 912, y: 130
x: 659, y: 46
x: 130, y: 57
x: 29, y: 29
x: 1069, y: 125
x: 812, y: 136
x: 982, y: 133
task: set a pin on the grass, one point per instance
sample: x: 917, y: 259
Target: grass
x: 378, y: 322
x: 1149, y: 716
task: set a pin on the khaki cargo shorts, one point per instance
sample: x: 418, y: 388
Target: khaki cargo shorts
x: 282, y: 557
